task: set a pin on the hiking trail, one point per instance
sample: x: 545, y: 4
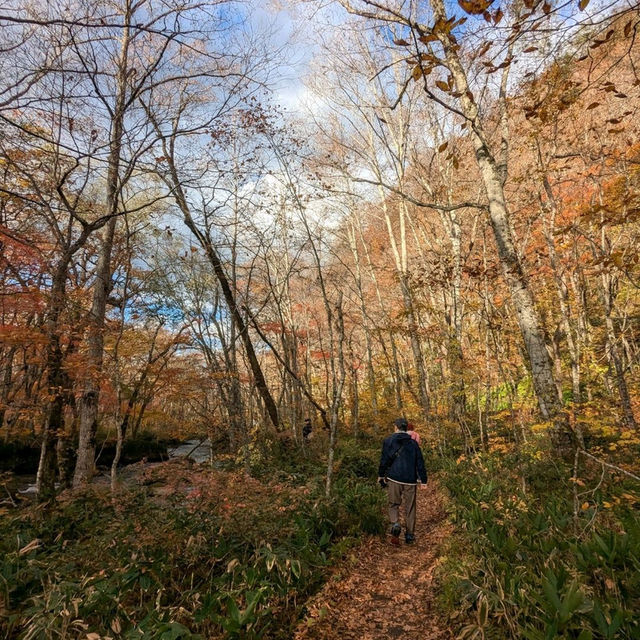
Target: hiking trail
x: 382, y: 591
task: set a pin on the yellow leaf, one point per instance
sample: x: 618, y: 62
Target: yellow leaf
x: 585, y: 506
x: 442, y: 147
x: 606, y: 505
x: 443, y: 86
x: 582, y: 5
x: 417, y: 72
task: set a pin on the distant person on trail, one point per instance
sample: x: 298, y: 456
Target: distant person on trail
x: 401, y: 469
x: 306, y: 429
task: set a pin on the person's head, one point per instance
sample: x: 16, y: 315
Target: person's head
x: 401, y: 424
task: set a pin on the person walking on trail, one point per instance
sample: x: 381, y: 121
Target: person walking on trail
x: 401, y: 469
x: 307, y: 428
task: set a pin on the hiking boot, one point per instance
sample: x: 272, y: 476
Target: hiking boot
x: 395, y: 534
x: 409, y: 538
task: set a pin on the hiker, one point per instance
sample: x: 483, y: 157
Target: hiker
x: 306, y: 429
x: 413, y: 433
x: 401, y: 468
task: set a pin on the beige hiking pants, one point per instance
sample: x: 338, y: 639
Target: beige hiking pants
x: 402, y: 494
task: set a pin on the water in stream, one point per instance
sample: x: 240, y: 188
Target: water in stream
x: 196, y: 450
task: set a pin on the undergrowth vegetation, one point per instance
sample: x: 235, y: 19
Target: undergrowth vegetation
x: 188, y: 553
x: 549, y: 554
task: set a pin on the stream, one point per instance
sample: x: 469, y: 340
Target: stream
x: 196, y: 450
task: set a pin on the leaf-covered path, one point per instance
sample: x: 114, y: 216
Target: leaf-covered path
x: 385, y: 592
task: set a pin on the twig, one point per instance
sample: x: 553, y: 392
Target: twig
x: 13, y: 502
x: 584, y: 493
x: 610, y: 466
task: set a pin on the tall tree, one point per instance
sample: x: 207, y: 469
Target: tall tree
x: 456, y: 93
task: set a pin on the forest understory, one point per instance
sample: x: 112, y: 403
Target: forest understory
x: 276, y: 228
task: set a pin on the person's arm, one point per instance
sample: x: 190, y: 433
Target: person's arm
x: 420, y: 468
x: 384, y: 461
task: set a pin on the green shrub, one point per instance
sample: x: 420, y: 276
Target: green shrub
x: 358, y: 461
x: 533, y: 570
x: 169, y: 568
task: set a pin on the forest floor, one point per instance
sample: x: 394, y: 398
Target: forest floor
x: 385, y: 591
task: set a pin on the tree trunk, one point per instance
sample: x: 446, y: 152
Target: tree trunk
x: 416, y: 348
x: 95, y: 353
x: 46, y: 476
x: 229, y: 297
x: 365, y: 325
x: 355, y: 402
x: 455, y: 354
x: 102, y: 288
x: 562, y: 291
x: 6, y: 385
x: 399, y: 251
x: 338, y: 386
x: 628, y: 419
x: 493, y: 177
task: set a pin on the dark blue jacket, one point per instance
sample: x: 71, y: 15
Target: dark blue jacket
x: 408, y: 466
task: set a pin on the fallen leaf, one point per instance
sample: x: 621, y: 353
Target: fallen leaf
x: 34, y: 544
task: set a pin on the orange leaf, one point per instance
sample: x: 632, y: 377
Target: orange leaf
x: 475, y: 7
x: 485, y: 47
